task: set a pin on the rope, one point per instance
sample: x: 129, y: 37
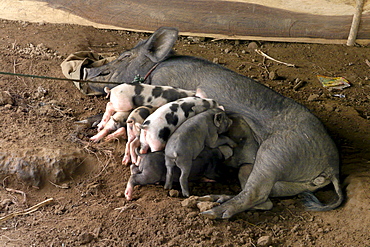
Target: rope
x: 56, y: 78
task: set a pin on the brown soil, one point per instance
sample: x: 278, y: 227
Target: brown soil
x: 87, y: 181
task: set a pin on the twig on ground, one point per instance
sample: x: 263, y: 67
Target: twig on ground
x: 273, y: 59
x: 367, y: 62
x: 297, y: 216
x: 28, y: 210
x: 19, y: 192
x: 59, y: 186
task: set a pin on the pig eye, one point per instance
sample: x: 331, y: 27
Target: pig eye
x: 125, y: 55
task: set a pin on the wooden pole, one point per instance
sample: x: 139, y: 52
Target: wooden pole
x: 355, y: 23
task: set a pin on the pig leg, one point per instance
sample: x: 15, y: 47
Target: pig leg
x: 170, y: 165
x: 134, y: 145
x: 184, y: 163
x: 270, y: 166
x: 100, y: 135
x: 127, y: 158
x: 221, y: 140
x: 109, y: 111
x: 118, y: 133
x: 244, y: 172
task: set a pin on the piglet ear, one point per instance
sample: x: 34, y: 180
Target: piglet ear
x: 139, y: 126
x: 218, y: 119
x: 160, y: 44
x: 107, y: 91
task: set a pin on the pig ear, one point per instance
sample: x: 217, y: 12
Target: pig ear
x: 140, y: 126
x: 217, y: 119
x: 159, y: 45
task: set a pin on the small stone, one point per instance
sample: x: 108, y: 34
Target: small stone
x: 252, y: 45
x: 227, y: 50
x: 329, y: 107
x: 216, y: 60
x: 320, y: 230
x: 120, y: 194
x: 204, y: 206
x: 273, y: 75
x: 190, y: 202
x: 6, y: 98
x: 192, y: 215
x: 42, y: 91
x: 174, y: 193
x: 8, y: 106
x: 295, y: 228
x: 196, y: 39
x: 86, y: 238
x: 313, y: 97
x: 264, y: 241
x: 5, y: 203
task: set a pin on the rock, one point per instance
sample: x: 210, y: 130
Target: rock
x: 264, y: 241
x: 273, y: 75
x: 120, y: 194
x: 191, y: 214
x: 174, y: 193
x: 32, y: 166
x: 313, y: 97
x: 196, y: 39
x: 252, y: 45
x: 86, y: 238
x: 227, y: 50
x: 204, y: 206
x: 190, y: 202
x: 5, y: 203
x: 6, y: 98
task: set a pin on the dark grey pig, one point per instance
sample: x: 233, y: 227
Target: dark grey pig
x: 186, y: 143
x: 295, y: 152
x: 152, y: 169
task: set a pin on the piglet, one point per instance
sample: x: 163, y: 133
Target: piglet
x: 186, y: 143
x: 152, y: 169
x: 158, y: 127
x: 128, y: 96
x: 137, y: 116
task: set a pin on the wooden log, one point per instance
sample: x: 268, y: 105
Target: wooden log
x: 217, y: 19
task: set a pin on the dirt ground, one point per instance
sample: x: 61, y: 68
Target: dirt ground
x: 44, y: 154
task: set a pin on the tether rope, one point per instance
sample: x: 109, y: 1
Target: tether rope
x: 57, y: 78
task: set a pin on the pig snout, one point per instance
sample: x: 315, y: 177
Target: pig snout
x: 128, y: 192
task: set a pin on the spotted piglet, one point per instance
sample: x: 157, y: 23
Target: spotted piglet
x: 158, y: 127
x: 137, y: 116
x: 128, y: 96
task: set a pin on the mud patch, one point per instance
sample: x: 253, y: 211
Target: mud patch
x: 35, y: 166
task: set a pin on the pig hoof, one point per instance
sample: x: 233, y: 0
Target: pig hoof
x: 223, y: 198
x: 209, y: 214
x: 94, y: 139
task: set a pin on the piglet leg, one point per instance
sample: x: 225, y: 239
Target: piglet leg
x: 109, y: 111
x: 121, y: 132
x: 100, y: 135
x: 134, y: 145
